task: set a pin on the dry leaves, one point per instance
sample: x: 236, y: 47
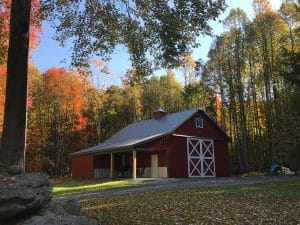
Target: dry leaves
x: 273, y: 203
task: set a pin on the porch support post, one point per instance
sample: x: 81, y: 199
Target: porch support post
x: 111, y: 171
x: 134, y: 164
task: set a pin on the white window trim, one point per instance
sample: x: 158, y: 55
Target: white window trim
x: 198, y: 122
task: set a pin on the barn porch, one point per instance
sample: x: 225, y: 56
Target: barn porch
x: 131, y: 164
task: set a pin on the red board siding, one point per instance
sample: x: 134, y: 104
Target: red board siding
x: 155, y: 147
x: 178, y: 166
x: 221, y: 159
x: 178, y: 163
x: 209, y: 130
x: 102, y: 161
x: 162, y: 158
x: 82, y: 166
x: 143, y: 159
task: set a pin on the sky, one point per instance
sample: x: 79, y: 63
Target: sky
x: 50, y: 54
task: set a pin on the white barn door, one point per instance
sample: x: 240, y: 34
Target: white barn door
x: 201, y: 157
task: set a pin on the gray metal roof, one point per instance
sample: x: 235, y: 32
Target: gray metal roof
x: 141, y: 132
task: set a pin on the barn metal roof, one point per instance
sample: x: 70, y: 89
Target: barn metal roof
x: 141, y: 132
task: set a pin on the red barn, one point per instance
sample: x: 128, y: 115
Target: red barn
x: 182, y: 144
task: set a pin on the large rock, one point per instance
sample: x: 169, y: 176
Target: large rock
x: 59, y: 220
x: 22, y: 194
x: 24, y: 200
x: 72, y: 207
x: 14, y: 169
x: 59, y: 213
x: 54, y: 220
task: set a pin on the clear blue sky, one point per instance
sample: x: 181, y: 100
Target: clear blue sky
x: 49, y: 53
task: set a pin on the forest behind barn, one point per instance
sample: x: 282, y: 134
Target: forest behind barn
x: 250, y: 85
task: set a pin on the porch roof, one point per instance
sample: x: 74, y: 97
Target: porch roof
x: 141, y: 132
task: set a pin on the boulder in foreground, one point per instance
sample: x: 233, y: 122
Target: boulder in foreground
x: 23, y: 193
x: 59, y: 213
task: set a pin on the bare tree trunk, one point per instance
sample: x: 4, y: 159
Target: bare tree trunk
x: 240, y: 93
x: 223, y: 120
x: 268, y: 106
x: 233, y: 110
x: 12, y: 150
x: 98, y: 127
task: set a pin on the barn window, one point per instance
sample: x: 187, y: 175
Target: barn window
x: 199, y: 123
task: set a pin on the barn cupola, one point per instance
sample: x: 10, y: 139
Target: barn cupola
x: 159, y: 113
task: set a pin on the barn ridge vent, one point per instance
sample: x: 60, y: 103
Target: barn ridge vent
x: 159, y: 113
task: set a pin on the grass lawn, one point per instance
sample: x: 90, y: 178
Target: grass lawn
x: 270, y: 203
x: 68, y: 186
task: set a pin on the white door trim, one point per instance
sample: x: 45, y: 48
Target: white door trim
x: 200, y: 157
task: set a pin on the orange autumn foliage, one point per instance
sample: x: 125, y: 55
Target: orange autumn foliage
x: 218, y: 108
x: 66, y: 89
x: 33, y: 74
x: 35, y: 26
x: 56, y: 119
x: 35, y: 30
x: 2, y: 94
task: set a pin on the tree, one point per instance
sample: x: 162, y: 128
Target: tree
x: 188, y: 69
x: 14, y: 127
x: 58, y: 120
x: 35, y: 27
x: 198, y: 94
x: 114, y: 116
x: 132, y: 85
x: 269, y: 28
x: 164, y: 91
x: 4, y: 31
x: 164, y: 29
x: 2, y: 95
x: 290, y: 13
x: 252, y: 68
x: 168, y: 30
x: 237, y: 21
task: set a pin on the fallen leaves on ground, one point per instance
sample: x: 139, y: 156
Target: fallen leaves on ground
x: 274, y: 203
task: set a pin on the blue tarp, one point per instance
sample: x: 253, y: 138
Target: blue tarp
x: 273, y: 168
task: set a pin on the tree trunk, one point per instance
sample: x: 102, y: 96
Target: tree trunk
x: 268, y: 106
x: 223, y: 120
x: 240, y: 93
x: 14, y: 126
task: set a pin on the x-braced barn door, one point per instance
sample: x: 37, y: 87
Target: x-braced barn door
x: 201, y: 158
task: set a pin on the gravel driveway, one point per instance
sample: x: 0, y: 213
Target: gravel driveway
x: 160, y: 184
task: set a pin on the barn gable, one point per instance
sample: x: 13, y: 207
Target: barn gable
x: 209, y: 128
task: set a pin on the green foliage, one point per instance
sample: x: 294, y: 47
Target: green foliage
x: 254, y: 68
x: 164, y: 29
x: 198, y: 95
